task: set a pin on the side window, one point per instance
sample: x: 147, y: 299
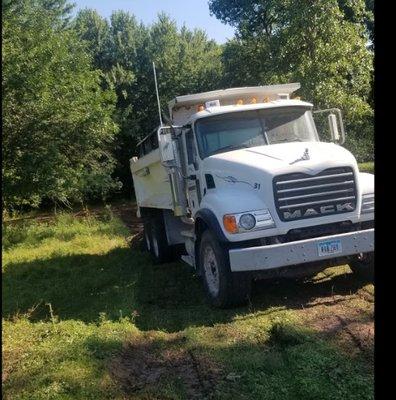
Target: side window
x: 191, y: 153
x: 154, y: 140
x: 149, y: 144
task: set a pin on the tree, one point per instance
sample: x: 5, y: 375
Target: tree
x: 312, y: 42
x: 57, y: 121
x: 124, y: 50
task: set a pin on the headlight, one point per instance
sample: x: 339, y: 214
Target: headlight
x: 248, y: 221
x: 368, y: 203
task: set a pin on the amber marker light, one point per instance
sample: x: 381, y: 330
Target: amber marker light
x: 239, y: 102
x: 266, y: 99
x: 230, y: 224
x: 254, y: 100
x: 201, y: 107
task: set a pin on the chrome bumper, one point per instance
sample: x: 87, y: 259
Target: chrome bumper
x: 302, y: 251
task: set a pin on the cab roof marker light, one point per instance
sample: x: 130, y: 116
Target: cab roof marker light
x: 212, y: 103
x: 283, y: 96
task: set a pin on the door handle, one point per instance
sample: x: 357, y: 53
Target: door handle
x: 192, y: 177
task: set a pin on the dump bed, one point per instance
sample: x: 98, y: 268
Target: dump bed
x: 151, y: 181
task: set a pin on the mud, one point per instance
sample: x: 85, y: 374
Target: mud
x: 148, y: 363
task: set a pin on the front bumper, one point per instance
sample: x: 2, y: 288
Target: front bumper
x: 299, y: 252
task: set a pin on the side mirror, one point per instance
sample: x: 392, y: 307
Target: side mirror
x: 166, y: 145
x: 333, y: 126
x: 335, y: 122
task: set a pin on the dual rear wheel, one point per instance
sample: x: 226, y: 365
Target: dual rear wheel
x: 155, y: 239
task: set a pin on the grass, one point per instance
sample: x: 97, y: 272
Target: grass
x: 84, y: 313
x: 367, y: 167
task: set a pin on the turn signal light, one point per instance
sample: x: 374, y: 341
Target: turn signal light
x: 266, y: 99
x: 239, y: 102
x: 230, y: 224
x: 254, y: 100
x: 201, y: 107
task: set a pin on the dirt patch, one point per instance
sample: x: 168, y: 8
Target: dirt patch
x: 147, y: 363
x: 127, y: 213
x: 349, y: 323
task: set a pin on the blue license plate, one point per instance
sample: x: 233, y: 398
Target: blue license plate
x: 328, y: 247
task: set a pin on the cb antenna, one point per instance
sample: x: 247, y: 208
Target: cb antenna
x: 158, y: 99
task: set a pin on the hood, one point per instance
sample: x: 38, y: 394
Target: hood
x: 309, y: 157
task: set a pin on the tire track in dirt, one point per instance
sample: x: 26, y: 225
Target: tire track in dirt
x: 147, y: 362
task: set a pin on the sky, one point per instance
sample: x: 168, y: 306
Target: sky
x: 194, y: 13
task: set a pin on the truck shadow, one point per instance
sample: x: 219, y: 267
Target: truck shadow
x: 125, y: 283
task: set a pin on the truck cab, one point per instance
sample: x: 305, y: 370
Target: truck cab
x: 242, y: 186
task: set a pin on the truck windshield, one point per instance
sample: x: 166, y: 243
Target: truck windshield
x: 241, y: 129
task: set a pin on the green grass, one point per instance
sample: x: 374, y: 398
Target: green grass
x: 367, y: 167
x: 75, y: 294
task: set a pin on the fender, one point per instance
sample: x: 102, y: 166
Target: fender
x: 210, y: 219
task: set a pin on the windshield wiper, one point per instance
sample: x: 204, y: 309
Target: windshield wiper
x: 230, y: 147
x: 294, y: 139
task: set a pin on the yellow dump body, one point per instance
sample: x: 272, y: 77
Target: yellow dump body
x: 151, y: 181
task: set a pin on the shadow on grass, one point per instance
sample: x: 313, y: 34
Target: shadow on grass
x: 125, y: 283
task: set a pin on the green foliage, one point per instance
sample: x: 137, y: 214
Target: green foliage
x: 78, y: 93
x: 367, y: 167
x: 57, y: 121
x: 314, y: 43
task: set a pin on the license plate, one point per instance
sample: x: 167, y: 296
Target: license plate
x: 329, y: 247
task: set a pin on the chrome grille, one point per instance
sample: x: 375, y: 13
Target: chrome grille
x: 299, y: 195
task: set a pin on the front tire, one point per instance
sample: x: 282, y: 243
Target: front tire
x: 223, y: 287
x: 363, y: 266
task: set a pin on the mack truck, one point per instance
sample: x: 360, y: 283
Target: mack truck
x: 240, y: 185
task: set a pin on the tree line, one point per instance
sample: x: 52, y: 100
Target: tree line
x: 78, y: 90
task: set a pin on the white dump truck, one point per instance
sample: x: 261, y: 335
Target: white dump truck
x: 242, y: 186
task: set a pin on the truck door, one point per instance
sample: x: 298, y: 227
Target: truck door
x: 192, y: 171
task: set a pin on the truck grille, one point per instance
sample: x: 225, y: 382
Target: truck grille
x: 300, y: 196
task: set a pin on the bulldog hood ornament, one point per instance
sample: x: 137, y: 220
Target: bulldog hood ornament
x: 304, y: 157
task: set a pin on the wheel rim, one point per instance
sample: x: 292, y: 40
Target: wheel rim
x: 211, y: 270
x: 147, y: 238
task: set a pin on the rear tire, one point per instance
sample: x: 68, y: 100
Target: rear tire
x: 363, y: 266
x: 223, y: 287
x: 160, y: 249
x: 146, y: 242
